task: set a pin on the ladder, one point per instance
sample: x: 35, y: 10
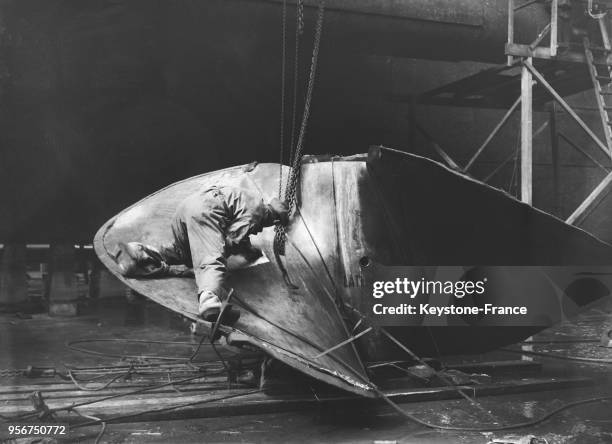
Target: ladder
x: 601, y: 76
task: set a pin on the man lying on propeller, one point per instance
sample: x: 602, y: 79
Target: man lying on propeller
x: 208, y: 226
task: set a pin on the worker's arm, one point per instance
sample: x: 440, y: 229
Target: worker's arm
x: 251, y: 216
x: 244, y: 249
x: 172, y: 254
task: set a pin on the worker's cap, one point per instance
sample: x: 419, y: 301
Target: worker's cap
x: 135, y: 259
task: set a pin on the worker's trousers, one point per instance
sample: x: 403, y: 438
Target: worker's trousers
x: 205, y: 220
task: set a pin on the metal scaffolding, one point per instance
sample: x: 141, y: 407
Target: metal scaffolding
x: 524, y: 55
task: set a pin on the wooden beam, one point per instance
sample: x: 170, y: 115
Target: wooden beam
x: 245, y: 402
x: 526, y: 135
x: 554, y: 27
x: 449, y: 161
x: 526, y: 4
x: 540, y: 37
x: 605, y: 37
x: 510, y: 59
x: 566, y: 107
x: 493, y: 133
x: 521, y: 50
x: 591, y: 202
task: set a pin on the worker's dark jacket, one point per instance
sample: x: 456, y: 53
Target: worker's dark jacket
x: 210, y: 225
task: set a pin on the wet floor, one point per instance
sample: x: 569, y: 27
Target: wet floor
x: 42, y: 341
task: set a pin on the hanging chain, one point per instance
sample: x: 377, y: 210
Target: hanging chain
x: 299, y: 29
x: 300, y: 16
x: 282, y: 107
x: 290, y: 193
x: 291, y: 189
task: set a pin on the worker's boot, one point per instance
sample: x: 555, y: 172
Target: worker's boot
x: 210, y: 306
x: 230, y: 315
x: 210, y: 309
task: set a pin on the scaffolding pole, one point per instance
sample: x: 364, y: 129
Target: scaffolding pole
x: 526, y: 134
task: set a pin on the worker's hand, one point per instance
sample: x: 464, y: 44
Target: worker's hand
x: 251, y: 254
x: 280, y: 210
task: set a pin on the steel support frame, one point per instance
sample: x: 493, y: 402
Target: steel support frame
x: 595, y: 197
x: 526, y: 134
x: 528, y: 74
x: 552, y: 28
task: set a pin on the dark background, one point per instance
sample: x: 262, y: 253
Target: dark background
x: 103, y: 102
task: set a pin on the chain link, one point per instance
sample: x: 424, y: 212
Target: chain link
x: 296, y: 77
x: 300, y: 16
x: 282, y: 107
x: 291, y: 189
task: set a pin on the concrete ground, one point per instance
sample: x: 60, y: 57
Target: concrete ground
x: 40, y: 341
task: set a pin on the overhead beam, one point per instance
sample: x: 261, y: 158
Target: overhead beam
x: 457, y: 12
x: 521, y: 50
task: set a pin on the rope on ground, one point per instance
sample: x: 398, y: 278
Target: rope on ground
x: 97, y: 389
x: 438, y: 374
x: 71, y: 346
x: 101, y: 432
x: 125, y: 375
x: 493, y: 427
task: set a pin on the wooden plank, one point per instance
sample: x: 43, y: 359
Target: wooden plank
x: 69, y: 386
x: 180, y: 390
x: 261, y: 403
x: 462, y: 12
x: 443, y: 154
x: 510, y: 59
